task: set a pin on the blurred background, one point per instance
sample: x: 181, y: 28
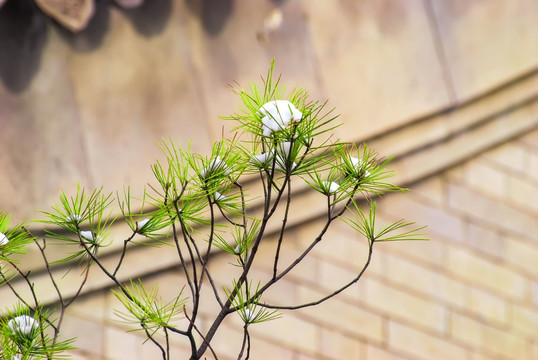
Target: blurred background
x: 449, y: 87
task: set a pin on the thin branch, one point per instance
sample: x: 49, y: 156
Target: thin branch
x: 121, y: 287
x: 49, y: 271
x: 323, y: 231
x: 192, y: 283
x: 201, y: 335
x: 248, y: 346
x: 203, y: 260
x: 36, y: 302
x: 226, y: 308
x: 295, y: 262
x: 348, y: 202
x: 243, y: 204
x: 319, y: 301
x: 180, y: 254
x: 268, y: 212
x: 206, y: 273
x: 246, y: 338
x: 264, y: 185
x: 14, y: 291
x: 211, y: 233
x: 122, y: 256
x: 26, y: 278
x: 155, y: 342
x: 278, y: 197
x: 231, y: 221
x: 282, y: 229
x: 167, y: 343
x: 79, y: 290
x: 63, y: 304
x: 177, y: 211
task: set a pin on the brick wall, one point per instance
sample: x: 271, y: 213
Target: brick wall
x: 469, y: 293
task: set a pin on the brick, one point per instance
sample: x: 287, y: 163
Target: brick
x: 421, y: 279
x: 302, y: 356
x: 341, y: 244
x: 491, y: 339
x: 89, y: 334
x: 347, y: 317
x: 432, y: 189
x: 228, y: 339
x: 333, y: 277
x: 289, y: 331
x: 344, y: 245
x: 281, y: 293
x: 130, y: 344
x: 431, y: 252
x: 78, y: 356
x: 90, y: 307
x: 475, y: 356
x: 484, y: 239
x: 490, y: 307
x: 400, y: 305
x: 307, y: 270
x: 375, y: 353
x: 522, y: 192
x: 511, y: 156
x: 420, y: 345
x: 324, y: 254
x: 534, y: 292
x: 227, y: 343
x: 175, y: 353
x: 438, y: 221
x: 484, y: 272
x: 532, y: 169
x: 491, y: 211
x: 261, y: 348
x: 338, y: 346
x: 148, y: 351
x: 347, y: 249
x: 522, y: 254
x: 525, y: 320
x: 485, y: 177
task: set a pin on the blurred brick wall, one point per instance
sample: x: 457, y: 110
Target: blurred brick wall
x: 471, y: 292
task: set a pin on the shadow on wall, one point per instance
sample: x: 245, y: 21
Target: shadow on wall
x: 93, y: 35
x: 23, y: 33
x: 24, y: 29
x: 213, y: 13
x: 149, y: 19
